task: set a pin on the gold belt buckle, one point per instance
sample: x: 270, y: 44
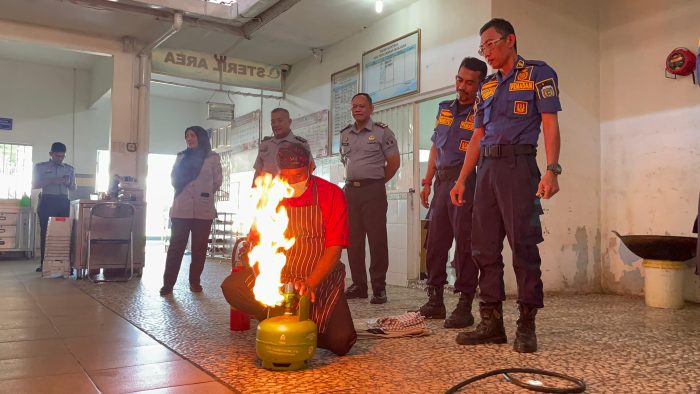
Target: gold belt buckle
x: 356, y: 184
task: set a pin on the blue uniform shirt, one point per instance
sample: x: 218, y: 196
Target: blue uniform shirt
x: 509, y: 107
x: 364, y: 152
x: 46, y: 171
x: 453, y: 131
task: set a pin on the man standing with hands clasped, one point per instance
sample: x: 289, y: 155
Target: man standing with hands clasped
x: 511, y: 105
x: 454, y: 127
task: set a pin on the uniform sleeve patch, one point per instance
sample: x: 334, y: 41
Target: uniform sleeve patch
x: 547, y: 88
x: 520, y: 107
x: 463, y: 145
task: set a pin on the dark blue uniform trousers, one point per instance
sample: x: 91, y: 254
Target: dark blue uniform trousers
x: 367, y: 207
x: 448, y: 222
x: 50, y: 205
x: 505, y: 205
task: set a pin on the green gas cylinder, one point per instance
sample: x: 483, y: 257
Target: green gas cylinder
x: 287, y: 342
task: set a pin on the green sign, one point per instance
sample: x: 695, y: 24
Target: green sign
x: 216, y: 68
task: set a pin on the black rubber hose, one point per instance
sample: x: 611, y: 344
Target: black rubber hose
x: 579, y: 387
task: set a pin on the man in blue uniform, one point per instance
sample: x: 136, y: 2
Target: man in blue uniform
x: 55, y: 179
x: 371, y: 157
x: 453, y: 129
x: 511, y: 105
x: 281, y: 124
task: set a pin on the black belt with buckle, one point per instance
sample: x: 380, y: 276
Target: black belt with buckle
x: 364, y: 182
x: 507, y: 150
x: 447, y: 174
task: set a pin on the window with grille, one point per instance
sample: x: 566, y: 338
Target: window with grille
x: 15, y: 170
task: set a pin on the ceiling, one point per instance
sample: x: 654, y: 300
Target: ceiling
x: 288, y: 38
x: 285, y: 38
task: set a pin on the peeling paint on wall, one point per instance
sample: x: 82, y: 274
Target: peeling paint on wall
x: 581, y: 250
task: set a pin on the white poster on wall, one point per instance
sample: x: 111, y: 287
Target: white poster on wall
x: 393, y: 69
x: 344, y: 85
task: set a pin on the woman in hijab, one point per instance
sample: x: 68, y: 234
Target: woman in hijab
x: 196, y: 177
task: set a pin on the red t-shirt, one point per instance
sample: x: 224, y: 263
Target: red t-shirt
x: 333, y: 210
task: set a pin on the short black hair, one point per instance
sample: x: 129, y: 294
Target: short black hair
x: 280, y: 109
x: 369, y: 99
x: 502, y: 26
x: 474, y: 64
x: 293, y: 155
x: 58, y: 147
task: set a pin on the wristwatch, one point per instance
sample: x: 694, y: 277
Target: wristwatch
x: 555, y: 168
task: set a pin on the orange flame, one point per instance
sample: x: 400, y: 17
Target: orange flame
x: 270, y: 221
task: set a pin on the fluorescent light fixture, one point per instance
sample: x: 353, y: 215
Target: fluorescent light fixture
x: 379, y: 6
x: 223, y: 2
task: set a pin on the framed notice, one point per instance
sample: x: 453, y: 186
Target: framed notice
x: 393, y: 69
x: 344, y: 84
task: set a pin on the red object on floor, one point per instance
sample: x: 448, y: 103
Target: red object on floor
x: 239, y: 320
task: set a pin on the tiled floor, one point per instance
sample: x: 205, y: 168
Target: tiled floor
x: 54, y: 338
x: 71, y: 333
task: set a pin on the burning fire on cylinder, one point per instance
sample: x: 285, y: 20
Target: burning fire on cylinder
x: 286, y: 340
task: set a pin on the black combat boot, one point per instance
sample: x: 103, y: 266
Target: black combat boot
x: 435, y: 307
x: 525, y: 337
x: 490, y: 328
x: 462, y: 315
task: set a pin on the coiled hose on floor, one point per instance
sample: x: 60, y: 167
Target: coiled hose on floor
x: 579, y: 387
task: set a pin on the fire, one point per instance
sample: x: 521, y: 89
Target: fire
x: 270, y: 222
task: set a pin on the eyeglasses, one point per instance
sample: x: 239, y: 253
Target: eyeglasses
x: 488, y: 46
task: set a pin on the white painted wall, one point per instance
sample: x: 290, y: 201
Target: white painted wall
x: 650, y: 130
x: 568, y: 42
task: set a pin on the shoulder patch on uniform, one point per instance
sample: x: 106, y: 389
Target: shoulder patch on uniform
x: 269, y: 137
x: 302, y: 139
x: 346, y: 127
x: 535, y: 63
x: 382, y: 125
x: 547, y: 88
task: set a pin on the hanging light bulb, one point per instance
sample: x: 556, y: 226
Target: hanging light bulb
x: 379, y: 6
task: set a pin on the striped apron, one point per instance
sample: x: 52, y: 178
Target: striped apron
x: 306, y: 225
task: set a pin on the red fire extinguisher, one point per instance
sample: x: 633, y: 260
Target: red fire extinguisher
x: 239, y: 320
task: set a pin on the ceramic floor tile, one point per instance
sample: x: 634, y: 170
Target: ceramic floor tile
x: 109, y: 357
x: 199, y: 388
x: 147, y: 377
x: 38, y: 366
x: 35, y: 348
x: 27, y: 334
x: 75, y: 383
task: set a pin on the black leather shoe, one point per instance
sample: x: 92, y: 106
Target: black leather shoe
x: 166, y: 290
x: 195, y: 288
x: 38, y: 269
x: 378, y: 298
x: 355, y: 291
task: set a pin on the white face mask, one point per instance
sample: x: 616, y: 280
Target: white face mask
x: 299, y: 188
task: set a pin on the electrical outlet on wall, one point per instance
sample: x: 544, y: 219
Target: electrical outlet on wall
x: 131, y: 146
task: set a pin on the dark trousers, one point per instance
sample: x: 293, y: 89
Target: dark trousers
x: 448, y: 222
x: 505, y: 205
x: 179, y: 233
x: 340, y: 333
x: 50, y: 205
x: 367, y: 216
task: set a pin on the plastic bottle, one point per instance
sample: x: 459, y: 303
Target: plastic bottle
x: 25, y: 202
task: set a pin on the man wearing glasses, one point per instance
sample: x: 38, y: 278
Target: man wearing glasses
x: 511, y: 105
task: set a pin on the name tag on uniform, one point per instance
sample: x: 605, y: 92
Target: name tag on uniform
x: 463, y: 145
x: 521, y: 85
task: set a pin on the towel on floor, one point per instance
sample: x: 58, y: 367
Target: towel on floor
x: 405, y: 325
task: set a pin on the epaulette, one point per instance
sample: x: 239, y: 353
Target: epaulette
x: 535, y: 63
x: 380, y: 124
x: 488, y: 78
x: 267, y: 138
x: 302, y: 139
x: 346, y: 127
x: 446, y: 102
x: 68, y: 165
